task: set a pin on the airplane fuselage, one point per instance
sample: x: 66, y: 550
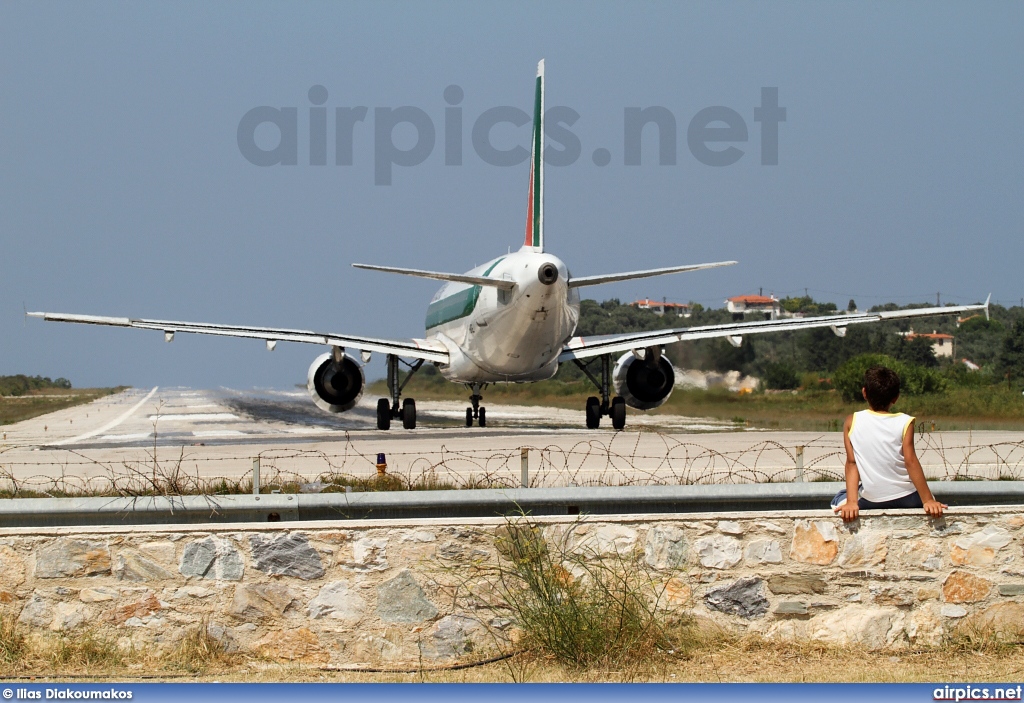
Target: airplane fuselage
x: 506, y: 335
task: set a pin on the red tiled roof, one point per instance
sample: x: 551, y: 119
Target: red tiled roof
x: 929, y: 336
x: 753, y: 300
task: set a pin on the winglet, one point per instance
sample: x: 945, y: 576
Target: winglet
x: 535, y: 206
x: 986, y: 306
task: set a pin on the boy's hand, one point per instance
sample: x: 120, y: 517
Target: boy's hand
x: 934, y: 508
x: 849, y: 511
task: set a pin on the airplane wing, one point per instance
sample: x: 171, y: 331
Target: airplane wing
x: 426, y: 349
x: 586, y: 347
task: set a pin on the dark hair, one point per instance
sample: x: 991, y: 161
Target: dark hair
x: 881, y: 387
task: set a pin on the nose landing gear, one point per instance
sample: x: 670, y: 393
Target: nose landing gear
x: 476, y: 412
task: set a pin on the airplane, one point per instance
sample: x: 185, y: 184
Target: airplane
x: 511, y: 320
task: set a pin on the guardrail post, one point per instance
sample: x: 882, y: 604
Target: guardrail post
x: 524, y: 467
x: 256, y: 476
x: 799, y: 464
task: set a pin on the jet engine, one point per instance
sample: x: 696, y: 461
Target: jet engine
x: 644, y: 381
x: 335, y: 382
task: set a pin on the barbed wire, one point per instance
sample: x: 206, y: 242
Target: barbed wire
x: 628, y: 459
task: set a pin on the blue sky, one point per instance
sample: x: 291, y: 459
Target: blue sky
x: 123, y: 190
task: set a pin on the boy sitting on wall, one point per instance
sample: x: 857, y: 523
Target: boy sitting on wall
x: 882, y: 469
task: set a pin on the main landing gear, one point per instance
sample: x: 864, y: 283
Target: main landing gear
x: 388, y: 410
x: 477, y: 412
x: 599, y: 407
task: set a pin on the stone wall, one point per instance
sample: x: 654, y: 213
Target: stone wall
x: 377, y: 593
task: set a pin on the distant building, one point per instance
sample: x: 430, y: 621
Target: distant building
x: 661, y: 307
x: 767, y: 305
x: 942, y: 344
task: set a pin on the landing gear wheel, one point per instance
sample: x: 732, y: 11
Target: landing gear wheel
x: 593, y: 413
x: 482, y: 418
x: 618, y: 413
x: 409, y: 414
x: 469, y: 417
x: 383, y: 414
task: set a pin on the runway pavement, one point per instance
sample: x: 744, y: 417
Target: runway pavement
x: 218, y: 433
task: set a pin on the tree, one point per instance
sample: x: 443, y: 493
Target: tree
x: 851, y: 306
x: 1010, y: 361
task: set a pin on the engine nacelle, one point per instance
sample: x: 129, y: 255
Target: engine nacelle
x: 335, y: 386
x: 644, y: 383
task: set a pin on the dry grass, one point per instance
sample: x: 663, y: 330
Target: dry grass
x: 35, y: 403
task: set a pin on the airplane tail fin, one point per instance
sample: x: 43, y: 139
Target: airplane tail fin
x: 535, y: 208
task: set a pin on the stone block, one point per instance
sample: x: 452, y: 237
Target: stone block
x: 1011, y: 589
x: 402, y: 600
x: 744, y: 597
x: 771, y: 527
x: 730, y: 527
x: 286, y: 555
x: 923, y: 554
x: 160, y: 551
x: 69, y: 557
x: 146, y: 605
x: 132, y: 566
x: 677, y: 592
x: 763, y: 551
x: 791, y: 607
x: 37, y: 612
x: 299, y: 644
x: 665, y: 547
x: 260, y: 601
x: 337, y: 601
x: 964, y: 587
x: 7, y: 596
x: 718, y: 552
x: 873, y: 628
x: 814, y: 542
x: 892, y: 595
x: 68, y: 616
x: 99, y: 594
x: 924, y: 627
x: 212, y: 558
x: 865, y: 548
x: 791, y: 584
x: 953, y: 611
x: 608, y: 540
x: 12, y: 567
x: 979, y: 548
x: 454, y: 636
x: 1003, y: 620
x: 368, y: 554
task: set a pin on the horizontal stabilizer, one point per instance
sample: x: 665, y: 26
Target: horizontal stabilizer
x: 454, y: 277
x: 577, y: 281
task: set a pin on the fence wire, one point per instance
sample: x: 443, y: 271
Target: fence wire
x: 628, y: 459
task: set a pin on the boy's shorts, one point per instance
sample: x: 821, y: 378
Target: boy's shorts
x: 911, y: 500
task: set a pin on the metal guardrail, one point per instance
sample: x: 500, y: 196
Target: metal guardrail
x: 53, y: 512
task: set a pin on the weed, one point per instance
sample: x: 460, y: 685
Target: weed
x: 12, y: 641
x: 197, y: 650
x: 579, y: 606
x: 84, y: 648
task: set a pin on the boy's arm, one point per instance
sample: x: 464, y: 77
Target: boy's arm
x: 850, y: 510
x: 931, y: 506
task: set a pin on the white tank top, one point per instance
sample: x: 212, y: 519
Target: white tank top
x: 877, y: 440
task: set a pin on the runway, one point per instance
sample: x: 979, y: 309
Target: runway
x: 210, y: 434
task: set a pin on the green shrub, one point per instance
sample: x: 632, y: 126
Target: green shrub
x: 914, y: 380
x: 779, y: 377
